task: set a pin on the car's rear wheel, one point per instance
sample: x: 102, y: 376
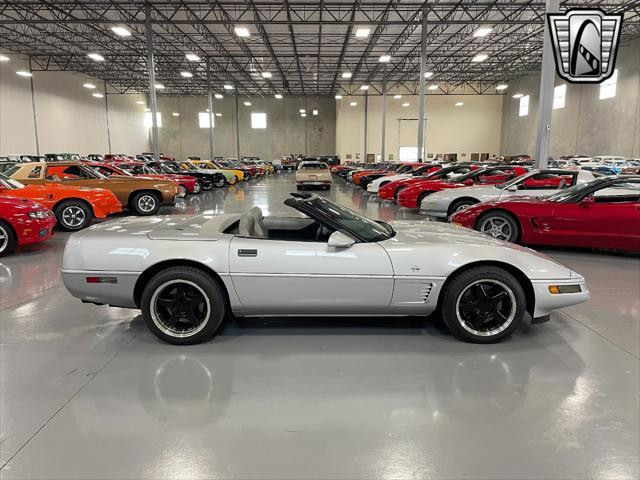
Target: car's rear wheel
x: 483, y: 304
x: 219, y: 182
x: 73, y: 215
x: 183, y: 305
x: 460, y: 205
x: 145, y: 203
x: 499, y: 225
x: 7, y: 240
x: 197, y: 188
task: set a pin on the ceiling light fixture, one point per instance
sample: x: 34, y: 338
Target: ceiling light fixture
x: 247, y: 104
x: 228, y: 87
x: 219, y: 96
x: 481, y: 57
x: 160, y: 86
x: 140, y: 102
x: 302, y: 110
x: 364, y: 87
x: 315, y: 112
x: 242, y: 32
x: 90, y: 86
x: 338, y: 97
x: 121, y: 31
x: 362, y: 32
x: 346, y: 75
x: 96, y: 57
x: 459, y: 104
x: 175, y: 114
x: 518, y: 95
x: 482, y: 32
x: 218, y: 114
x: 186, y: 74
x: 24, y: 73
x: 303, y: 114
x: 502, y: 86
x: 432, y: 87
x: 384, y: 58
x: 428, y: 74
x: 4, y: 58
x: 406, y: 104
x: 397, y: 96
x: 192, y: 57
x: 278, y: 96
x: 97, y: 95
x: 353, y: 104
x: 266, y: 75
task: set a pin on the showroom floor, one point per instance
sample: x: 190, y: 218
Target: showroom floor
x: 88, y: 392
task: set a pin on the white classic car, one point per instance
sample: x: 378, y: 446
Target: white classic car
x: 187, y: 273
x: 537, y: 183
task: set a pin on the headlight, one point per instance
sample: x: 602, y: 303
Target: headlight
x: 39, y: 214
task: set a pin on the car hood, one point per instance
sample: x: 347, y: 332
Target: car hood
x: 22, y: 203
x: 428, y: 231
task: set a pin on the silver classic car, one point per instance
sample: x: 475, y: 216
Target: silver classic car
x: 187, y: 273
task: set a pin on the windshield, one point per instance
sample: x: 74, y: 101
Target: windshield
x: 9, y: 183
x: 363, y: 227
x: 313, y: 166
x: 10, y: 171
x: 568, y: 193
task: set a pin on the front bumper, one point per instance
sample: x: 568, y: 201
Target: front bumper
x: 546, y: 301
x: 36, y: 230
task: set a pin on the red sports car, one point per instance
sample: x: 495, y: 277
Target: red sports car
x: 23, y: 222
x: 388, y: 170
x: 138, y: 169
x: 412, y: 196
x: 390, y: 191
x: 604, y: 213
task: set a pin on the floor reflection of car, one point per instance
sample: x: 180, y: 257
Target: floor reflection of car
x: 332, y: 261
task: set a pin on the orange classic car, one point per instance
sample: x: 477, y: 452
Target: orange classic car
x: 140, y: 195
x: 74, y: 207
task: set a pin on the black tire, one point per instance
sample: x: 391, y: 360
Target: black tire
x: 73, y: 215
x: 475, y: 310
x: 188, y: 293
x: 7, y: 239
x: 145, y: 203
x: 197, y: 187
x: 460, y: 204
x: 219, y: 182
x: 500, y: 225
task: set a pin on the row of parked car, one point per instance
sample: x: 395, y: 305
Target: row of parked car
x: 515, y: 203
x: 35, y: 196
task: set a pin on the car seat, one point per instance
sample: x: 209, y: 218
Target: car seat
x: 252, y: 225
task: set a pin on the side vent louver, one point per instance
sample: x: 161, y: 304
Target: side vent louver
x: 425, y: 291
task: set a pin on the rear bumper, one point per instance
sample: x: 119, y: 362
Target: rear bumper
x: 314, y: 182
x: 117, y: 294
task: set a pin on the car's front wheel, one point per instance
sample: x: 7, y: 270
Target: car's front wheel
x: 197, y: 188
x: 500, y: 225
x: 183, y: 305
x: 145, y: 203
x: 460, y: 205
x: 483, y: 304
x: 73, y: 215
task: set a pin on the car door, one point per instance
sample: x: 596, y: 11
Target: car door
x: 305, y: 277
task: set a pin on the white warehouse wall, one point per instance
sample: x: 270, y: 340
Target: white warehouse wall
x: 471, y: 128
x: 68, y: 118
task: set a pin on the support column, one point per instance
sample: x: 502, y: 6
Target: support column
x: 366, y: 111
x: 237, y: 123
x: 106, y: 113
x: 152, y: 83
x: 423, y: 71
x: 33, y: 109
x: 384, y: 109
x: 547, y: 81
x: 211, y: 114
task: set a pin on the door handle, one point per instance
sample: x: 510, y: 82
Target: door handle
x: 244, y: 252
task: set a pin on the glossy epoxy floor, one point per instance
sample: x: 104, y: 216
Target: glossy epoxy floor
x: 87, y: 392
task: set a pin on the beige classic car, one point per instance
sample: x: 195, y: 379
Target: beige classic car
x: 313, y: 174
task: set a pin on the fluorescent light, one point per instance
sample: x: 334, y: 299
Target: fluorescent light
x: 302, y: 110
x: 432, y: 87
x: 192, y: 57
x: 97, y: 95
x: 362, y: 32
x: 219, y: 96
x: 384, y: 58
x: 338, y: 97
x: 96, y: 57
x: 428, y: 74
x: 278, y: 96
x: 266, y: 75
x: 247, y: 104
x: 315, y: 112
x: 159, y: 86
x: 482, y: 32
x: 346, y: 74
x: 303, y: 114
x: 364, y: 87
x: 228, y: 87
x: 518, y: 95
x: 141, y: 102
x: 481, y: 57
x: 90, y: 86
x: 24, y: 73
x: 353, y: 104
x: 397, y: 96
x: 175, y: 114
x: 206, y: 110
x: 242, y: 32
x: 459, y: 104
x: 218, y: 114
x: 121, y: 31
x: 406, y: 104
x: 502, y: 86
x: 186, y: 74
x: 4, y: 58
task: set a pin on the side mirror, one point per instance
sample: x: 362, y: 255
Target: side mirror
x: 340, y: 240
x: 586, y: 201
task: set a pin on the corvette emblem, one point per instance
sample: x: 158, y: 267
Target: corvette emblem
x: 585, y: 44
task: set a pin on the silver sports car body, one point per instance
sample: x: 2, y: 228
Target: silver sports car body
x: 186, y: 273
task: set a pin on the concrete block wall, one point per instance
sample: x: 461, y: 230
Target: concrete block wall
x: 586, y: 125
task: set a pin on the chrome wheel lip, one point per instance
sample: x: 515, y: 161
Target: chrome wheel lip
x: 160, y: 324
x: 73, y: 216
x: 506, y: 323
x: 489, y: 227
x: 4, y: 239
x: 146, y: 203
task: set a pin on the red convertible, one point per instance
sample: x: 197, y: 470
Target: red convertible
x: 390, y: 191
x: 412, y: 196
x: 23, y: 222
x: 604, y: 213
x: 138, y: 169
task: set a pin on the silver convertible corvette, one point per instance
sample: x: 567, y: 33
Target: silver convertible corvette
x: 187, y: 273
